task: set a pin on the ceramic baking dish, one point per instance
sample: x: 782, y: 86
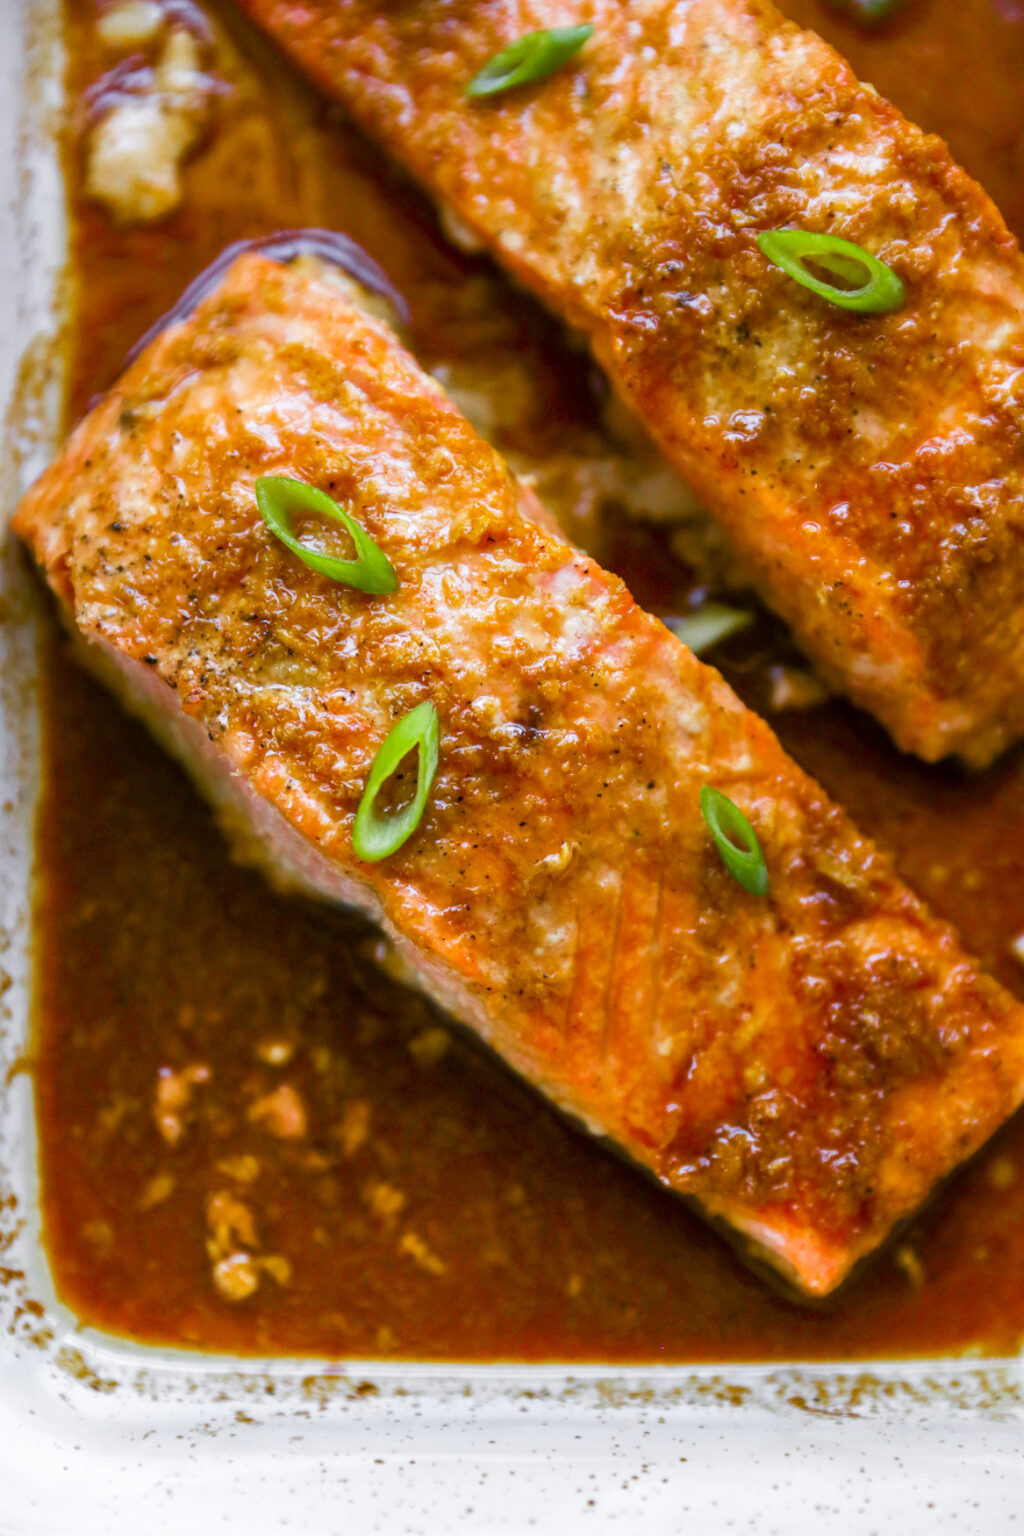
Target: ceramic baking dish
x: 99, y: 1437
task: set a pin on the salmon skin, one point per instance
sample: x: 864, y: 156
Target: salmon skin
x: 868, y: 469
x: 804, y: 1066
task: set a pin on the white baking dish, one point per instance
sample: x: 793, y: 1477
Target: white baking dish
x: 97, y: 1436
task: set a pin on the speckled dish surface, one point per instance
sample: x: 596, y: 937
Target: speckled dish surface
x: 99, y: 1437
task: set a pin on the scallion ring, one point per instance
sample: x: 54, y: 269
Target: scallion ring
x: 280, y: 498
x: 865, y: 284
x: 529, y: 58
x: 735, y: 840
x: 708, y: 626
x: 375, y: 837
x: 869, y: 13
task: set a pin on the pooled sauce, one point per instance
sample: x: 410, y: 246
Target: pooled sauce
x: 253, y: 1139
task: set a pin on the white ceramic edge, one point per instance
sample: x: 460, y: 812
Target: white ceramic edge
x: 100, y: 1436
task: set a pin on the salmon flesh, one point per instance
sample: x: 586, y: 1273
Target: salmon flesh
x: 805, y: 1066
x: 869, y: 469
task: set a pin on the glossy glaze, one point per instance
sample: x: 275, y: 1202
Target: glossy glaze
x: 159, y: 952
x: 806, y: 1063
x: 869, y: 469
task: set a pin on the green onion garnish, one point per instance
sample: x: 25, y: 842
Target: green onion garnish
x: 735, y: 840
x: 279, y: 498
x: 708, y: 626
x: 870, y: 13
x: 375, y: 837
x: 529, y: 58
x: 865, y: 284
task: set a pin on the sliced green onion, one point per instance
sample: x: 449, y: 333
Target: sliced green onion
x: 279, y: 498
x: 735, y: 840
x: 865, y: 284
x: 529, y: 58
x: 375, y: 837
x: 708, y: 626
x: 870, y: 13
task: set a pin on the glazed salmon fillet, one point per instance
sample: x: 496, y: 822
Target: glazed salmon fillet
x: 868, y: 469
x: 806, y: 1065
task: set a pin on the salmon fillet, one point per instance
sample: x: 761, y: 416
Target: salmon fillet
x: 869, y: 470
x: 804, y: 1066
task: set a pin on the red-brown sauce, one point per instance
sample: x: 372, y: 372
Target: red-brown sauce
x: 394, y: 1191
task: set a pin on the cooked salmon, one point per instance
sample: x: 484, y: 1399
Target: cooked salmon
x: 869, y: 469
x: 805, y: 1065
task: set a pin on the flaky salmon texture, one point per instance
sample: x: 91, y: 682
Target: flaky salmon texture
x: 805, y: 1066
x: 869, y: 469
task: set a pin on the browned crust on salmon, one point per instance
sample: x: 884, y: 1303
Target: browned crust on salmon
x: 870, y: 470
x: 805, y: 1066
